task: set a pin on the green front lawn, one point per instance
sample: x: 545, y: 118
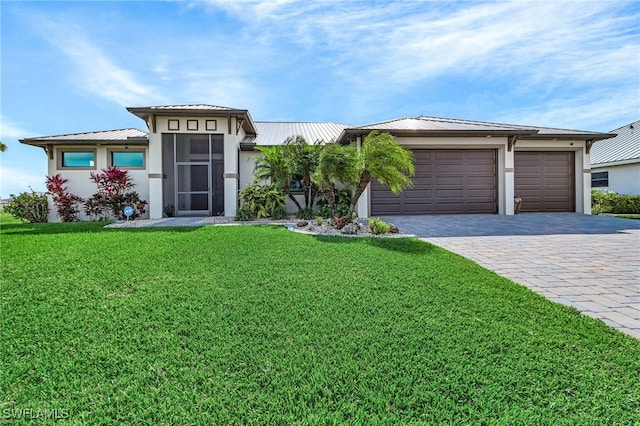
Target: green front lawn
x: 259, y: 325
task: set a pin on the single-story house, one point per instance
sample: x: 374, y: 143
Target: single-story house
x: 197, y: 157
x: 615, y: 163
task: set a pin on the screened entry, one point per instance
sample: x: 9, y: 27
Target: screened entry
x: 193, y: 167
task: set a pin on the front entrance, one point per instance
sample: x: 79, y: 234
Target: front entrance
x: 193, y: 183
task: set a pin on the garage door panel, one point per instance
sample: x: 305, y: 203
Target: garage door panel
x: 545, y: 181
x: 456, y: 181
x: 446, y: 181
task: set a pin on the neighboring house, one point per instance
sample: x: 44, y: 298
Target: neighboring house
x: 615, y: 163
x: 197, y: 157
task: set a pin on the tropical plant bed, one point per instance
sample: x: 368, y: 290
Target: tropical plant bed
x: 355, y: 229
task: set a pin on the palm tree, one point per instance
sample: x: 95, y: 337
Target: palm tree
x: 3, y: 147
x: 337, y: 163
x: 382, y: 158
x: 303, y: 159
x: 274, y: 166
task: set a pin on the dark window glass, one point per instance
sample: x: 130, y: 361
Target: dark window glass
x: 599, y: 179
x: 296, y: 183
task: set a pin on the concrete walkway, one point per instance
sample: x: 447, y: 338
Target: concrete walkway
x: 589, y: 262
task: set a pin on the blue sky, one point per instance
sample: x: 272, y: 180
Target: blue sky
x: 74, y: 66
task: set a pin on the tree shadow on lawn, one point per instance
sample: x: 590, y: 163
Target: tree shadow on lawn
x: 80, y: 227
x: 404, y: 245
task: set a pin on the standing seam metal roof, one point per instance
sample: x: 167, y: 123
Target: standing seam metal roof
x: 424, y: 122
x: 623, y: 148
x: 104, y: 135
x: 275, y: 133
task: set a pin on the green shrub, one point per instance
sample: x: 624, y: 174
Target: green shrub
x: 262, y: 200
x: 343, y: 199
x: 245, y: 214
x: 378, y: 226
x: 305, y: 213
x: 611, y: 202
x: 28, y: 206
x: 625, y: 204
x: 279, y: 213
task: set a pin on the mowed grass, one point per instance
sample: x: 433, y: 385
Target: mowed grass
x: 259, y: 325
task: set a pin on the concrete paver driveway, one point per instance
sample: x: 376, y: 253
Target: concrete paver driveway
x: 589, y: 262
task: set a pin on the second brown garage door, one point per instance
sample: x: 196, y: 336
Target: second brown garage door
x: 545, y: 181
x: 446, y: 181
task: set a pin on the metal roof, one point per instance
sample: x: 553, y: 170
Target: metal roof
x: 195, y: 110
x: 436, y: 126
x: 622, y: 149
x: 275, y: 133
x: 192, y: 107
x: 118, y: 135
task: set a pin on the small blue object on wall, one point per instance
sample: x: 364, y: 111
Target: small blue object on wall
x: 128, y: 211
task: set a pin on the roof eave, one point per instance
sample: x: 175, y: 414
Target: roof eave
x: 437, y: 133
x: 616, y: 163
x: 43, y: 142
x: 145, y: 112
x: 574, y: 136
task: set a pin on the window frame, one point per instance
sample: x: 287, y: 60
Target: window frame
x: 600, y: 179
x: 61, y: 153
x: 115, y: 150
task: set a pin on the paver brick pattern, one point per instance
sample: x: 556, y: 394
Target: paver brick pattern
x: 589, y: 262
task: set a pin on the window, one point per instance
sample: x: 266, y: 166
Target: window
x: 128, y: 159
x: 78, y: 159
x: 295, y: 185
x: 600, y: 179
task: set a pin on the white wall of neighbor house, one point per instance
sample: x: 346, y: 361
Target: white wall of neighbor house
x: 582, y: 165
x: 79, y: 180
x: 623, y: 178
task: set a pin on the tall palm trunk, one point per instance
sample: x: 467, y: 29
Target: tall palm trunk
x: 330, y: 195
x: 365, y: 178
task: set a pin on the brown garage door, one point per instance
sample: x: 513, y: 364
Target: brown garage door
x: 446, y: 181
x: 545, y: 181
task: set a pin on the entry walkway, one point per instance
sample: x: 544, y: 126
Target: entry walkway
x: 589, y: 262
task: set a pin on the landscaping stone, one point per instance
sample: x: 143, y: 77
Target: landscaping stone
x: 350, y: 229
x: 302, y: 224
x: 393, y: 229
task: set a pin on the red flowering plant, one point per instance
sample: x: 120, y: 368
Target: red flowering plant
x: 114, y: 194
x: 67, y: 204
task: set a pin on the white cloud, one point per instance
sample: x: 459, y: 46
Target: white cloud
x: 10, y: 130
x: 15, y: 181
x: 403, y: 43
x: 595, y: 111
x: 96, y: 72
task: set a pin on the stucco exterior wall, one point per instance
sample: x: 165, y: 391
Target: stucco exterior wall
x: 79, y: 181
x: 623, y: 178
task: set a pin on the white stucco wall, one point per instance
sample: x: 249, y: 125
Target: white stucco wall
x: 623, y: 178
x: 79, y: 181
